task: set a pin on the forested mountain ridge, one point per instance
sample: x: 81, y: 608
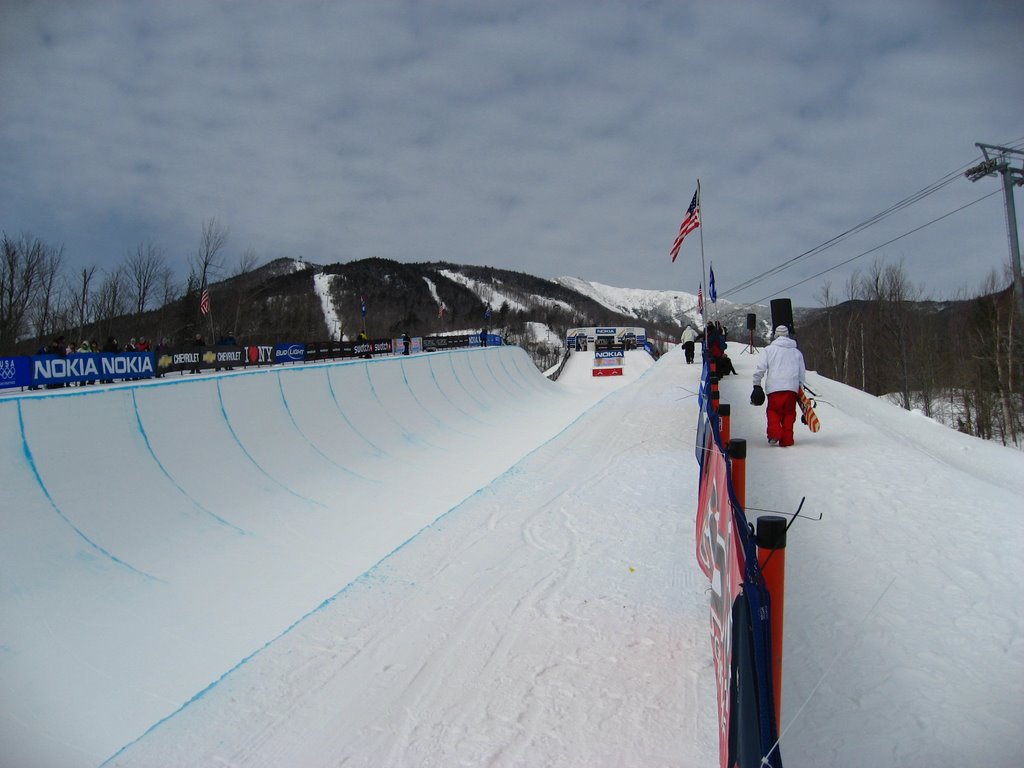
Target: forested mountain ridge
x: 961, y: 359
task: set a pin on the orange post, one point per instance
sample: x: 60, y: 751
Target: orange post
x: 715, y: 394
x: 738, y: 454
x: 724, y: 411
x: 771, y: 555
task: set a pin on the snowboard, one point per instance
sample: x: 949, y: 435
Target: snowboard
x: 810, y: 418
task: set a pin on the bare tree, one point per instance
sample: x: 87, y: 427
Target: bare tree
x: 168, y: 291
x: 49, y: 305
x: 888, y: 288
x: 28, y: 268
x: 143, y: 270
x: 111, y: 299
x: 208, y: 260
x: 82, y: 299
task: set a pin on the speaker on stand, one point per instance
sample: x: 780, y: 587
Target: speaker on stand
x: 751, y: 324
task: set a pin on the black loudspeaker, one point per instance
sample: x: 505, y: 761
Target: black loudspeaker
x: 782, y: 314
x: 751, y: 321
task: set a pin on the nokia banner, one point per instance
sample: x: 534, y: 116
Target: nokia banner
x: 57, y: 370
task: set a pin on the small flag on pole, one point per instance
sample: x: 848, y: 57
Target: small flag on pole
x: 440, y: 310
x: 712, y: 293
x: 487, y: 313
x: 700, y: 300
x: 204, y: 301
x: 362, y: 305
x: 690, y: 222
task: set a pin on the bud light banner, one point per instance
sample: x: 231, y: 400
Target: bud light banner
x: 289, y: 353
x: 57, y: 370
x: 15, y: 372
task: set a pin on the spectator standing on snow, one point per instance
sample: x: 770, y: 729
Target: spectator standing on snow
x: 782, y: 369
x: 688, y: 339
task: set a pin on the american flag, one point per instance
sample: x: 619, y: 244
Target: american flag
x: 700, y: 299
x: 204, y: 301
x: 690, y: 222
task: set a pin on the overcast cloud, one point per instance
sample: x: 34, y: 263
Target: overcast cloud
x: 555, y: 138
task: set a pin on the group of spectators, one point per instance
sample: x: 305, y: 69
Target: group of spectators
x: 716, y: 337
x: 59, y: 346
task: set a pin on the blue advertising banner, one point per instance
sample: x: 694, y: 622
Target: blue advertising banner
x: 290, y: 353
x: 15, y: 372
x: 55, y: 370
x: 605, y: 353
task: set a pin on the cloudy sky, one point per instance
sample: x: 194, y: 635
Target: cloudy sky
x: 555, y: 137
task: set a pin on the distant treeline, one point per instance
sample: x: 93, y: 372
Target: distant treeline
x: 963, y: 359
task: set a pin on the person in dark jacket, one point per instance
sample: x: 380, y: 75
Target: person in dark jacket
x: 198, y: 341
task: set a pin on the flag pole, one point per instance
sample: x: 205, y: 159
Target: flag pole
x: 703, y: 267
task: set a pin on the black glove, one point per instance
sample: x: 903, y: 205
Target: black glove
x: 757, y: 396
x: 803, y: 419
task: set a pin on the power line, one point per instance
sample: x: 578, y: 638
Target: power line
x: 877, y: 247
x: 878, y: 217
x: 916, y: 197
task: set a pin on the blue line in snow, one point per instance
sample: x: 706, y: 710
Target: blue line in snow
x: 227, y: 421
x: 409, y: 437
x: 149, y: 447
x: 288, y: 410
x: 454, y: 404
x: 35, y: 471
x: 482, y: 404
x: 337, y: 404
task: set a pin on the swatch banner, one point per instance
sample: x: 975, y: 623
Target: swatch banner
x: 333, y: 350
x: 15, y: 372
x: 57, y: 370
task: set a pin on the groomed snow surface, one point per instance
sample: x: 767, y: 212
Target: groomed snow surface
x: 447, y: 560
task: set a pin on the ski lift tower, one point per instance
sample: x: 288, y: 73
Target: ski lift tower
x: 998, y: 160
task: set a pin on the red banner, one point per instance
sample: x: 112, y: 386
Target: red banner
x: 720, y: 557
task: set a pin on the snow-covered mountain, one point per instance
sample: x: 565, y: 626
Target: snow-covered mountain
x: 677, y: 308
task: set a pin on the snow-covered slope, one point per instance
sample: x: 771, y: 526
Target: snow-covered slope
x: 553, y: 615
x: 677, y: 308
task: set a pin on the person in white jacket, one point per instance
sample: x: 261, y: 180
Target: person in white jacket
x: 688, y: 339
x: 782, y: 369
